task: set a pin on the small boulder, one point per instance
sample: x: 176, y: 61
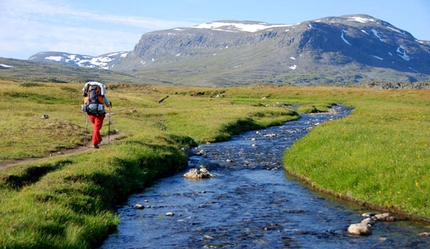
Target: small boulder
x: 383, y: 217
x: 368, y: 221
x: 198, y: 173
x: 368, y: 214
x: 360, y: 229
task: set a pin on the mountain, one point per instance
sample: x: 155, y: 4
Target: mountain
x: 28, y: 71
x: 106, y: 61
x: 332, y: 50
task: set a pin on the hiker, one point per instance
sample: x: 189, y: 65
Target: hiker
x: 94, y: 105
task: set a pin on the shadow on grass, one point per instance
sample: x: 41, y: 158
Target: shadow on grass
x: 163, y: 160
x: 31, y: 175
x: 234, y: 128
x: 109, y: 188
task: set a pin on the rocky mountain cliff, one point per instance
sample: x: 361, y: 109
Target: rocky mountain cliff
x: 332, y: 50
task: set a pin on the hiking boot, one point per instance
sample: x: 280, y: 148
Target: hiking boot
x: 95, y: 146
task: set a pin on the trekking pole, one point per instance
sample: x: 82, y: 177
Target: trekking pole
x: 110, y: 104
x: 86, y: 130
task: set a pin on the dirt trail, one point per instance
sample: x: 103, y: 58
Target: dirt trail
x: 64, y: 152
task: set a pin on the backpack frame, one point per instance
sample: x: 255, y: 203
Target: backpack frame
x: 94, y: 98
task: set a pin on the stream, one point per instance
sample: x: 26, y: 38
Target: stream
x: 252, y: 203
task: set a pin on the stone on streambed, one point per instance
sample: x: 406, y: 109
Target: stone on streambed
x: 139, y: 206
x: 198, y: 173
x: 368, y: 221
x: 383, y: 217
x: 360, y: 229
x: 368, y: 214
x: 365, y: 226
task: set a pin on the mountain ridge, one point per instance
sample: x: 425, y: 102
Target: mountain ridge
x: 104, y: 61
x: 330, y: 50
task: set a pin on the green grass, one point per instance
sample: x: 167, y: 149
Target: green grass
x: 67, y: 202
x: 376, y: 155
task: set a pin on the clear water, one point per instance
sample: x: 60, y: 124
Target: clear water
x: 251, y: 203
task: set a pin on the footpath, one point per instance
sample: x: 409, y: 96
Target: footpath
x: 64, y: 152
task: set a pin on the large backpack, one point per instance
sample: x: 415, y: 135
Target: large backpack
x: 94, y: 98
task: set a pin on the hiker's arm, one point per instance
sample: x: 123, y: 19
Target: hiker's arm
x: 107, y: 103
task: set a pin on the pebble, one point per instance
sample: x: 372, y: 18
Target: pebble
x: 139, y: 206
x: 424, y: 234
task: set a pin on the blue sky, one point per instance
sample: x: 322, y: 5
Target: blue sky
x: 95, y: 27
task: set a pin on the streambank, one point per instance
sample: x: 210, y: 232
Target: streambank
x: 397, y: 212
x: 251, y: 203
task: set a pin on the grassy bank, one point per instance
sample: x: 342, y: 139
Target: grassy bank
x: 376, y: 155
x: 68, y: 201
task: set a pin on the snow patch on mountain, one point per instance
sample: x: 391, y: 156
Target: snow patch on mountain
x: 343, y: 37
x: 375, y: 32
x: 396, y: 30
x: 364, y: 31
x: 5, y: 66
x: 402, y: 53
x: 239, y: 26
x: 361, y: 19
x: 377, y: 57
x: 54, y: 58
x: 102, y: 62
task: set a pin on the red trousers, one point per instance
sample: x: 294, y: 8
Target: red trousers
x: 98, y: 123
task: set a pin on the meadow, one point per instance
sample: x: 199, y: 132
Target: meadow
x: 377, y: 155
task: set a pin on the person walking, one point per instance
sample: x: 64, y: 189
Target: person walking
x: 95, y: 101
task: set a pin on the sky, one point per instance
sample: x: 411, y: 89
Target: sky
x: 96, y: 27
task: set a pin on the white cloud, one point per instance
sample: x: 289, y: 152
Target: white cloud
x: 30, y: 26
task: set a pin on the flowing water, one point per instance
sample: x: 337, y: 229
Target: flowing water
x: 251, y: 203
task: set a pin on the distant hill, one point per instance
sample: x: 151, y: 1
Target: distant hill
x: 333, y: 50
x: 28, y: 71
x: 106, y: 61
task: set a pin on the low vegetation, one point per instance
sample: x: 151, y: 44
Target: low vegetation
x: 68, y: 201
x: 376, y: 155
